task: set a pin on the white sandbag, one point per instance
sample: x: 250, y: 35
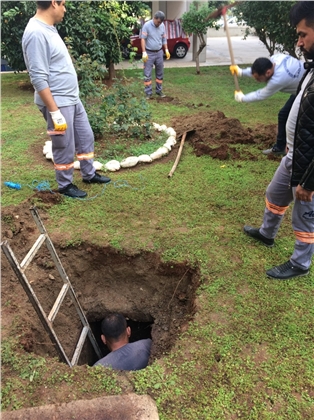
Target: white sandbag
x: 48, y: 142
x: 168, y: 146
x: 163, y: 127
x: 49, y: 156
x: 77, y: 164
x: 162, y: 151
x: 97, y: 165
x: 171, y: 140
x: 129, y: 162
x: 113, y: 165
x: 170, y: 131
x: 144, y: 158
x: 156, y: 126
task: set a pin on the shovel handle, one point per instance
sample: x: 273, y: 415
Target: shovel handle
x: 236, y: 82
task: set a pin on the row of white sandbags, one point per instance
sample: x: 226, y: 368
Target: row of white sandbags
x: 114, y: 165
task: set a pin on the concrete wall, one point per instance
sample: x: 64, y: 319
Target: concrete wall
x: 233, y: 30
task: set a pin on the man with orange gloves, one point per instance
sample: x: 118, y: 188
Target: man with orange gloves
x: 57, y: 96
x: 153, y: 41
x: 281, y: 73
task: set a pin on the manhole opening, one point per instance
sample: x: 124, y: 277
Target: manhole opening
x: 158, y: 298
x: 139, y: 331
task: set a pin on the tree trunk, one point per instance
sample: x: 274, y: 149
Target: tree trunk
x: 200, y: 49
x: 112, y: 72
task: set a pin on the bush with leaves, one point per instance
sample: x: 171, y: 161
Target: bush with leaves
x: 269, y: 20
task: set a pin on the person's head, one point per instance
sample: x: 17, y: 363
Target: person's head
x: 262, y: 69
x: 302, y: 17
x: 55, y: 9
x: 159, y: 17
x: 115, y: 331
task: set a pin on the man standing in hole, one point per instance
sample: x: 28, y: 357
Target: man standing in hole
x: 123, y: 355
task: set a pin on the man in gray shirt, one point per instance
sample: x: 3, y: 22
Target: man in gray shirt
x: 124, y: 355
x: 57, y: 96
x: 153, y: 40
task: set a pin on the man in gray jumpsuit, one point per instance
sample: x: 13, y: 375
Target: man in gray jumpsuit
x: 57, y: 96
x: 153, y: 40
x: 123, y: 355
x: 294, y: 178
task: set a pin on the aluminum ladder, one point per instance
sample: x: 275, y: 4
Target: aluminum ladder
x: 67, y: 288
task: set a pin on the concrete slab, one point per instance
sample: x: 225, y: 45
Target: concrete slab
x: 120, y: 407
x: 217, y: 53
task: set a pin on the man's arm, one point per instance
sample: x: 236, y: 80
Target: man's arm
x: 47, y: 98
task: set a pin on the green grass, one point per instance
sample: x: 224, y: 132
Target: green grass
x: 249, y: 351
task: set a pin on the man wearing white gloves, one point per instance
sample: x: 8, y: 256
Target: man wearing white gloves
x: 57, y: 96
x: 153, y: 40
x: 282, y: 73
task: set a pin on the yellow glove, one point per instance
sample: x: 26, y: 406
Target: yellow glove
x: 144, y: 57
x: 167, y: 54
x: 238, y: 95
x: 235, y: 70
x: 58, y: 120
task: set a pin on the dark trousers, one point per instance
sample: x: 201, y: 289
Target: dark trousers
x: 282, y: 120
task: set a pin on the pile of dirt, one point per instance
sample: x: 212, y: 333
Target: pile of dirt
x: 212, y: 133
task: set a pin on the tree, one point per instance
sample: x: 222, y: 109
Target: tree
x: 95, y: 28
x: 270, y: 22
x: 195, y: 22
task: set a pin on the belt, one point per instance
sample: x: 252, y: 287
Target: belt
x: 153, y: 50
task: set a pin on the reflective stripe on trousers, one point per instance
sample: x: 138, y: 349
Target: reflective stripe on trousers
x: 78, y: 138
x: 157, y: 59
x: 279, y: 195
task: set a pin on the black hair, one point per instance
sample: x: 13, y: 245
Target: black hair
x: 261, y: 65
x: 113, y: 326
x: 44, y: 5
x: 302, y: 10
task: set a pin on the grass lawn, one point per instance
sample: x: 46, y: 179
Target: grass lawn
x: 248, y: 352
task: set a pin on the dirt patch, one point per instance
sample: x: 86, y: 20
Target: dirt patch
x: 140, y: 286
x: 212, y: 133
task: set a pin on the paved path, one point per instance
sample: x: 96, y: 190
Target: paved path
x: 217, y: 53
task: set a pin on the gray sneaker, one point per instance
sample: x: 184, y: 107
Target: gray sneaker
x: 160, y: 94
x: 148, y: 97
x: 274, y: 150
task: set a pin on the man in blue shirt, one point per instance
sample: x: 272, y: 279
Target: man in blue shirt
x: 124, y: 355
x: 153, y: 40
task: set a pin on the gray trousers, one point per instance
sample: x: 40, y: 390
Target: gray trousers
x: 279, y: 195
x: 78, y: 139
x: 157, y: 59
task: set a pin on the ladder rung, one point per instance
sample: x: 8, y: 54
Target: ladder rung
x: 58, y: 302
x: 79, y: 346
x: 32, y: 252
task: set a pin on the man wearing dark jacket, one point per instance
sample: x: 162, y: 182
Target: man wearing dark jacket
x: 294, y: 178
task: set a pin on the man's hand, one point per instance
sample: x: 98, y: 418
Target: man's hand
x: 238, y: 95
x: 167, y: 54
x: 59, y: 121
x: 303, y: 195
x: 144, y: 57
x: 235, y: 70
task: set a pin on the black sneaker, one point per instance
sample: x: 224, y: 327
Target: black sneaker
x: 254, y: 233
x: 286, y: 271
x: 97, y: 179
x: 160, y: 94
x: 275, y: 151
x: 71, y: 190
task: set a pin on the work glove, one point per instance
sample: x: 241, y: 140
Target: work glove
x: 235, y: 70
x: 238, y: 95
x: 58, y: 120
x: 167, y: 54
x: 144, y: 57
